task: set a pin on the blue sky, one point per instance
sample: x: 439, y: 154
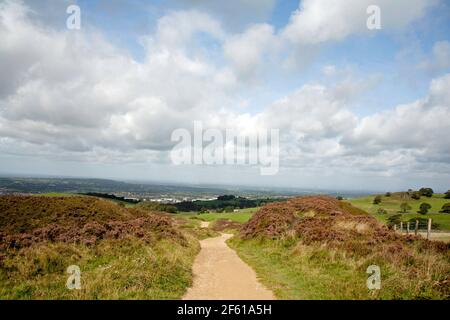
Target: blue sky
x: 352, y: 105
x: 123, y: 22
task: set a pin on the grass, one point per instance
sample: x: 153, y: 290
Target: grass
x: 113, y: 269
x: 122, y: 253
x: 242, y: 216
x: 294, y: 271
x: 55, y: 194
x: 299, y: 273
x: 442, y: 219
x: 316, y: 248
x: 392, y: 206
x: 192, y: 226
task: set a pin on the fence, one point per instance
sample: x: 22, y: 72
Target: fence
x: 414, y: 227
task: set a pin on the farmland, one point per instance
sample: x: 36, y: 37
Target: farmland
x: 392, y: 206
x: 241, y: 216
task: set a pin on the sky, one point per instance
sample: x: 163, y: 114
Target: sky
x: 356, y: 109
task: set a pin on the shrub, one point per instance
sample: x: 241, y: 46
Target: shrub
x: 394, y: 219
x: 156, y: 206
x: 377, y: 200
x: 226, y: 197
x: 427, y: 192
x: 339, y: 198
x: 388, y: 194
x: 229, y: 209
x: 424, y: 207
x: 416, y: 195
x: 382, y: 211
x: 405, y: 207
x: 447, y: 195
x: 446, y: 208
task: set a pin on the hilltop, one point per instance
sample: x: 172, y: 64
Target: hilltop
x: 122, y: 253
x: 27, y: 220
x: 302, y: 246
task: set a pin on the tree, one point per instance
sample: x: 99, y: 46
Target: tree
x: 388, y: 194
x: 226, y: 197
x: 405, y: 207
x: 382, y: 211
x: 426, y: 192
x: 446, y: 208
x: 339, y: 198
x: 229, y: 209
x: 394, y: 219
x: 416, y: 195
x: 424, y: 207
x: 156, y: 206
x: 447, y: 195
x: 377, y: 200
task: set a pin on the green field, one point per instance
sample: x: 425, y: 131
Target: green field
x: 242, y: 216
x: 55, y: 194
x: 392, y: 206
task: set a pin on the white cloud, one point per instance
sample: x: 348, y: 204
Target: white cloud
x: 235, y: 14
x: 329, y: 70
x: 440, y: 58
x: 314, y: 24
x: 175, y: 30
x: 420, y: 127
x: 250, y: 50
x: 85, y: 93
x: 319, y: 21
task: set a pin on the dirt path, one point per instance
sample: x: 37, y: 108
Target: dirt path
x: 220, y: 274
x: 204, y: 224
x: 438, y: 236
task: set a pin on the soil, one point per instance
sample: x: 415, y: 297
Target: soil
x: 219, y: 274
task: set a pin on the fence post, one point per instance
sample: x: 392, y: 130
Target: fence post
x: 407, y: 227
x: 395, y: 227
x: 401, y: 227
x: 416, y: 229
x: 429, y: 229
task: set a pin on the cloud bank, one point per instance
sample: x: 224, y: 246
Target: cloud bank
x: 74, y: 95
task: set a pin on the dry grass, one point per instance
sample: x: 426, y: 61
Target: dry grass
x: 222, y: 225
